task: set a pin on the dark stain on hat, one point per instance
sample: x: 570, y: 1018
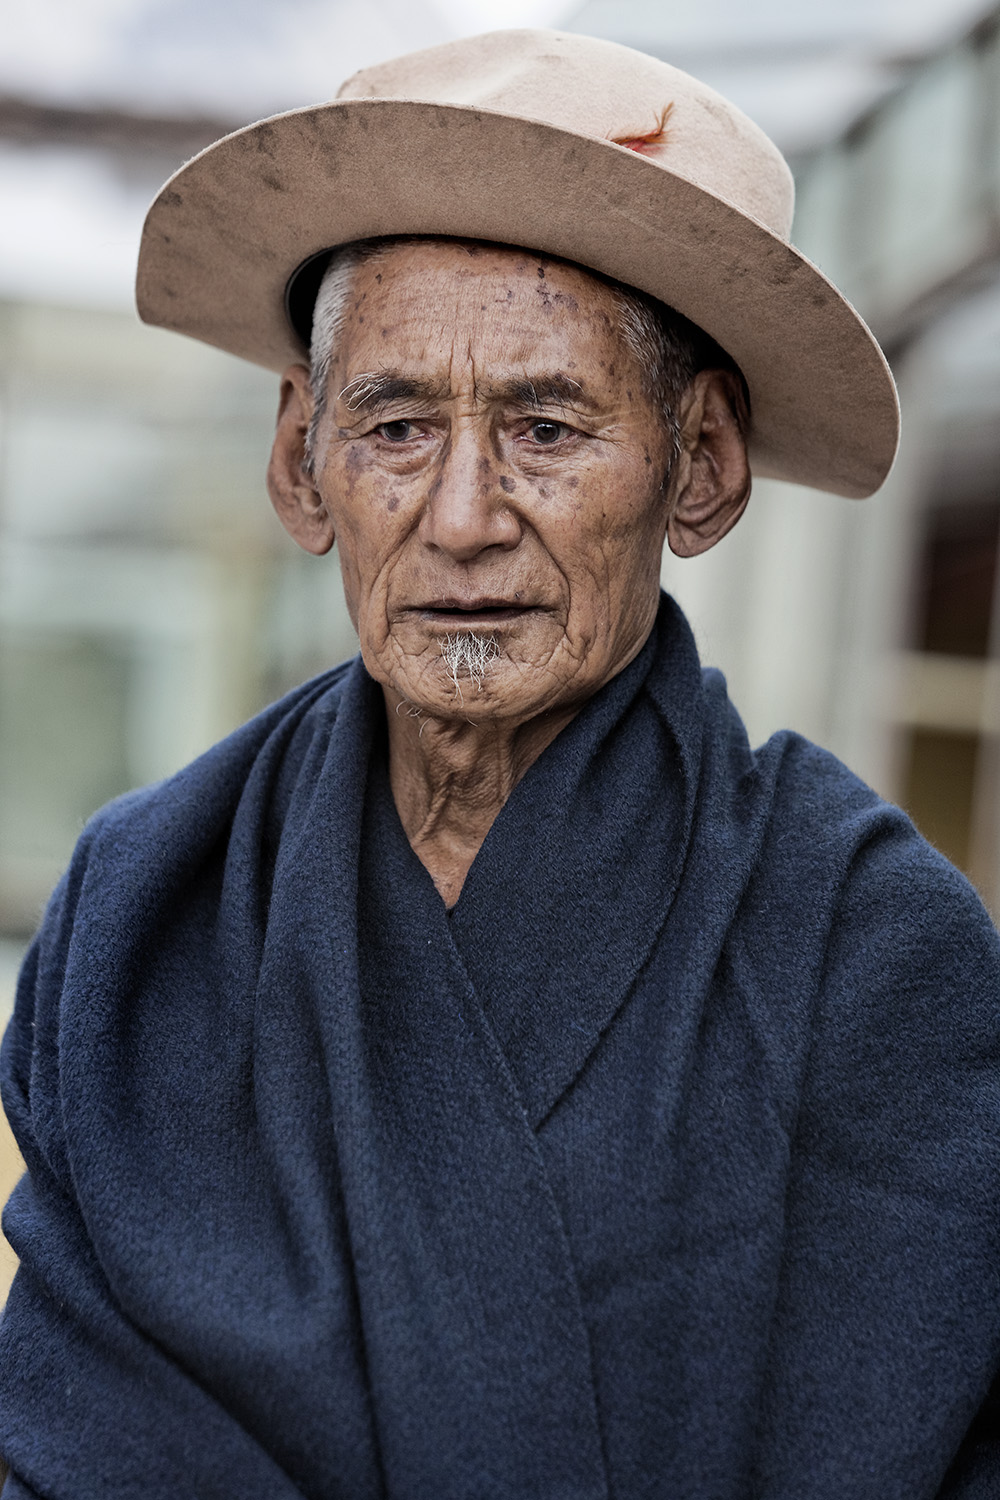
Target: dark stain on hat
x: 263, y: 139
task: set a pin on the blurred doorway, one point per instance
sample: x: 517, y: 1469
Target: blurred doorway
x: 949, y: 765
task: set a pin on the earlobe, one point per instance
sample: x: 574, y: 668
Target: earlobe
x: 713, y: 473
x: 299, y: 505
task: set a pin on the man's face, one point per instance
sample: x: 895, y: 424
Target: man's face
x: 493, y: 469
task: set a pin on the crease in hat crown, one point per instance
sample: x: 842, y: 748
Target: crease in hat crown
x: 562, y: 144
x: 602, y: 89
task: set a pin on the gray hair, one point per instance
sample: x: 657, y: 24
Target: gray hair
x: 668, y: 348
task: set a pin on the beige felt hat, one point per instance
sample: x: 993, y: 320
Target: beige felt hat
x: 580, y: 148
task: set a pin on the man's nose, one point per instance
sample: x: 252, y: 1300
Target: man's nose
x: 466, y: 509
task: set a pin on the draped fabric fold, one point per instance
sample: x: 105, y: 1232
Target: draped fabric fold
x: 474, y: 1309
x: 666, y: 1165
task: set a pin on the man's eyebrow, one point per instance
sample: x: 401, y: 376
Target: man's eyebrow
x: 375, y: 389
x: 539, y: 390
x: 378, y: 388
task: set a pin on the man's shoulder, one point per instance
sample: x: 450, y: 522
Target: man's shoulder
x: 818, y: 793
x: 887, y: 883
x: 801, y: 793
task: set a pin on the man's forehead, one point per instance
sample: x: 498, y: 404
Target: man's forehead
x: 417, y: 309
x: 459, y: 267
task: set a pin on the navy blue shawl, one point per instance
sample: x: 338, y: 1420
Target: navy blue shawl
x: 667, y: 1165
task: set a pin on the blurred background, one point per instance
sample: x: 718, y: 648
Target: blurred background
x: 149, y: 601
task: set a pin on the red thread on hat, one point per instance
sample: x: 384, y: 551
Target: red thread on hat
x: 647, y: 144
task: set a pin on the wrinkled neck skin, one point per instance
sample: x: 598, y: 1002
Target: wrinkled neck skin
x: 450, y: 778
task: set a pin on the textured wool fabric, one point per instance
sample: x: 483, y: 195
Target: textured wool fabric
x: 666, y: 1165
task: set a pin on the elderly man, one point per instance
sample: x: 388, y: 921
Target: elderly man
x: 483, y: 1075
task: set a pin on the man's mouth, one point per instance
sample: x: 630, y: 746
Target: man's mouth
x: 473, y: 613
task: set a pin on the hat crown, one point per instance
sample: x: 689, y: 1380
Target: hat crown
x: 601, y: 89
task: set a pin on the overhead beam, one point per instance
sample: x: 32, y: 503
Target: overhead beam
x: 35, y: 123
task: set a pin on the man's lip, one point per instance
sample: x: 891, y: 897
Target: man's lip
x: 473, y: 606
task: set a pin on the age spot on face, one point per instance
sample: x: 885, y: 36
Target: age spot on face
x: 392, y: 504
x: 354, y: 461
x: 508, y: 484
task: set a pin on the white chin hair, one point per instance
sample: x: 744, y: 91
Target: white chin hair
x: 468, y: 654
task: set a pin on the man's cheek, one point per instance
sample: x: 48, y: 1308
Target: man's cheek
x: 351, y: 594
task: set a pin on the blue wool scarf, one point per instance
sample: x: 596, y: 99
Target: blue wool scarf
x: 666, y: 1165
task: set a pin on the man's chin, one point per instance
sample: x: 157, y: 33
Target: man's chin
x: 490, y: 691
x: 473, y: 675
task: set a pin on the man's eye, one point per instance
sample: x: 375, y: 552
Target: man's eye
x: 395, y: 432
x: 547, y: 433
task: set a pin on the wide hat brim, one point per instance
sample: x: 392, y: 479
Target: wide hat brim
x: 227, y: 232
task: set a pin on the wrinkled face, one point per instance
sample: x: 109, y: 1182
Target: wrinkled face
x: 495, y: 476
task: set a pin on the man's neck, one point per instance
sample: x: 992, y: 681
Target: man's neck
x: 450, y: 779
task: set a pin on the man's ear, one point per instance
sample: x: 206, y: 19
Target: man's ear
x: 712, y: 483
x: 301, y: 509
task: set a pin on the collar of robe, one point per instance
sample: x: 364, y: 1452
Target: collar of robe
x: 573, y: 882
